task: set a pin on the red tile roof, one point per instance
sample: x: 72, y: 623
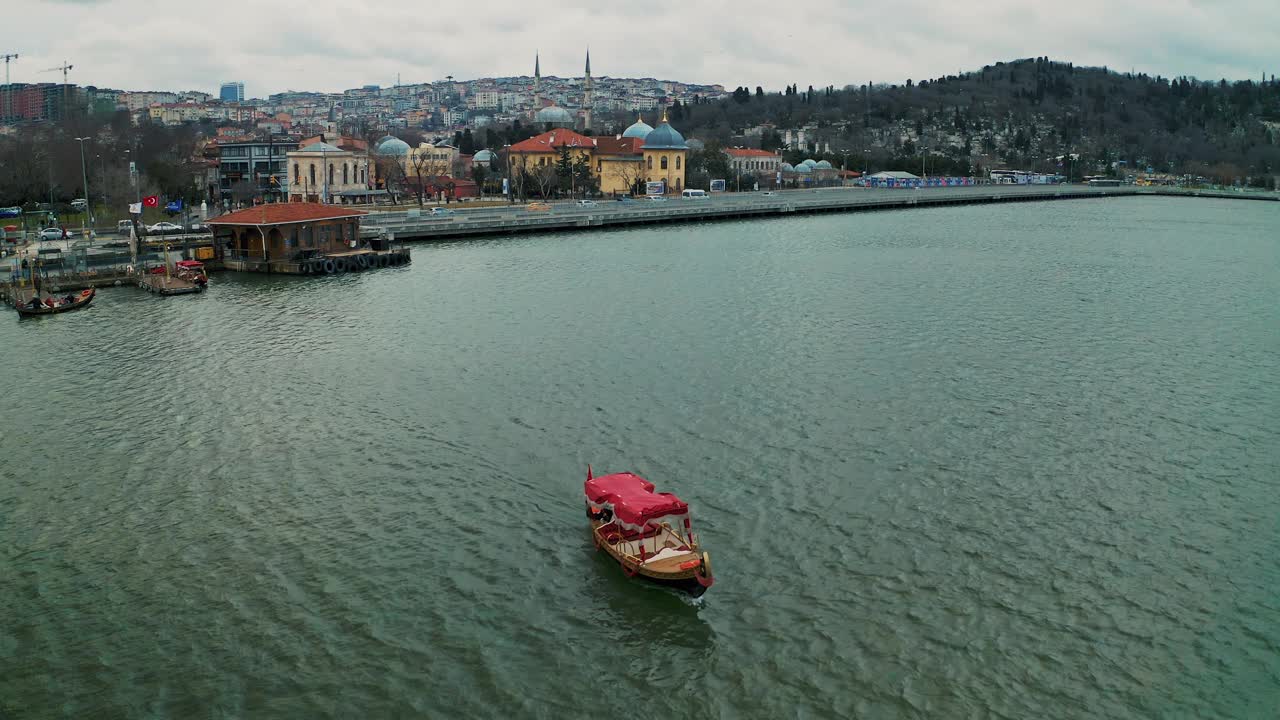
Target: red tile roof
x: 749, y: 152
x: 284, y: 213
x: 618, y: 146
x: 549, y: 141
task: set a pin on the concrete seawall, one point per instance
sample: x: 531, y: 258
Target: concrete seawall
x: 517, y: 219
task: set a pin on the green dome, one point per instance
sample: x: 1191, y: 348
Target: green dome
x: 665, y: 137
x: 391, y: 145
x: 640, y: 129
x: 555, y: 116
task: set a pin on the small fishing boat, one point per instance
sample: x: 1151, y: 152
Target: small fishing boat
x: 52, y: 304
x: 648, y: 533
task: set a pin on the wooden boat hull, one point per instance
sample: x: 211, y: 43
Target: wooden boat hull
x: 81, y: 301
x: 692, y: 580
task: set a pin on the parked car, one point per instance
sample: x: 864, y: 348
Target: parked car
x: 655, y: 198
x: 124, y: 227
x: 537, y: 207
x: 439, y: 211
x: 587, y: 203
x: 52, y: 234
x: 10, y: 212
x: 164, y: 228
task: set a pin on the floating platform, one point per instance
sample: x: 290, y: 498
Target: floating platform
x: 161, y: 284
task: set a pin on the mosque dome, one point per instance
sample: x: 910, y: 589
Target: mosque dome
x: 787, y: 167
x: 484, y: 156
x: 391, y: 145
x: 665, y: 137
x: 640, y: 129
x: 802, y: 168
x: 695, y: 144
x: 555, y: 116
x: 823, y: 165
x: 810, y: 162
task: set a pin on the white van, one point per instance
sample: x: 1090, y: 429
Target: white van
x: 694, y: 195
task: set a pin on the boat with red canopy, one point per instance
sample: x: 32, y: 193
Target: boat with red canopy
x: 647, y: 532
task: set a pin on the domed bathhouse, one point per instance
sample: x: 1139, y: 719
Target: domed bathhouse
x: 665, y: 153
x: 620, y: 164
x: 485, y: 158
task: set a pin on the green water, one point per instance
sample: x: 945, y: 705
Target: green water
x: 1011, y: 461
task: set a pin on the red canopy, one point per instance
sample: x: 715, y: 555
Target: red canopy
x: 632, y: 498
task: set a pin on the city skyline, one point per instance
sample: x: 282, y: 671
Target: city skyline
x: 830, y: 44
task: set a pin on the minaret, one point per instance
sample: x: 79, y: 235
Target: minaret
x: 537, y: 82
x: 586, y: 96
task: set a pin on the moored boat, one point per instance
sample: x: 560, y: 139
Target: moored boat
x: 50, y: 305
x: 192, y: 270
x: 648, y: 533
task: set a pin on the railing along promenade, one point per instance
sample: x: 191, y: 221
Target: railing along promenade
x: 610, y: 213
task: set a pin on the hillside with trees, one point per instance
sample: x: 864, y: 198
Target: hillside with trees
x: 1033, y: 114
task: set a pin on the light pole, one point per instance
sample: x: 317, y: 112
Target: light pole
x: 88, y: 197
x: 102, y: 177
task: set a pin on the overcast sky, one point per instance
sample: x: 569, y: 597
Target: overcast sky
x: 329, y: 45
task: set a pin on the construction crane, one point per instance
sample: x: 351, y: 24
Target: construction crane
x: 66, y: 88
x: 64, y: 68
x: 6, y: 109
x: 7, y: 58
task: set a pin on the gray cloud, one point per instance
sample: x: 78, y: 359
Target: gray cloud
x: 330, y: 45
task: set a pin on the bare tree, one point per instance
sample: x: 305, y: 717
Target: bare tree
x: 630, y: 171
x: 427, y: 165
x: 545, y: 178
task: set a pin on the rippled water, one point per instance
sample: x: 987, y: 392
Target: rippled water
x: 1013, y: 461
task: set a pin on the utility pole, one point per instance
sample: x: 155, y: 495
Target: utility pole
x: 88, y: 197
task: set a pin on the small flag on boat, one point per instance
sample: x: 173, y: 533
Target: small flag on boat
x: 151, y: 201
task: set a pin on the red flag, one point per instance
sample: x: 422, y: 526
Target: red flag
x: 151, y: 201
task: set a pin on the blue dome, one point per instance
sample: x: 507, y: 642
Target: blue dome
x: 555, y: 116
x: 390, y: 145
x: 802, y: 168
x: 484, y: 156
x: 640, y: 129
x: 823, y: 165
x: 665, y: 137
x: 810, y: 162
x: 787, y: 167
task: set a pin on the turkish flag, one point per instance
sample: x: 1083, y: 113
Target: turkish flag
x: 151, y: 201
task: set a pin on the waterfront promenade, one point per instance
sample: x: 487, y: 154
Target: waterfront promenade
x: 611, y: 213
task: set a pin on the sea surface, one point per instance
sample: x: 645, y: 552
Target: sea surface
x: 1016, y: 461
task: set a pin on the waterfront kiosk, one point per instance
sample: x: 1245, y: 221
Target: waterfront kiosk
x: 298, y: 238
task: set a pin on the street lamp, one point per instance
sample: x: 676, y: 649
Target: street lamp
x: 84, y: 175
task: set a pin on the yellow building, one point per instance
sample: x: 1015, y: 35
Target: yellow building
x: 665, y: 156
x: 620, y: 164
